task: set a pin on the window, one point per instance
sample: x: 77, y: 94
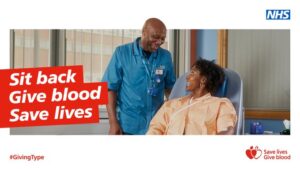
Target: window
x: 91, y: 48
x: 31, y: 48
x: 94, y: 48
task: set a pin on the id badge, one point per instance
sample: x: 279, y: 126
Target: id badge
x: 160, y: 70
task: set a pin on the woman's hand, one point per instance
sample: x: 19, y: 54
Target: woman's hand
x: 229, y: 131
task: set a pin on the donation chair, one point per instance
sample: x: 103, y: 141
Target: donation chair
x: 232, y: 88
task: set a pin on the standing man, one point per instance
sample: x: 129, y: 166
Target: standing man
x: 138, y: 75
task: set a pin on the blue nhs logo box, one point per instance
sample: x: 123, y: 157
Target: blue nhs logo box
x: 278, y: 14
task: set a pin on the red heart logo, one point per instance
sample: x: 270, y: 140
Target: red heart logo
x: 253, y: 152
x: 249, y: 154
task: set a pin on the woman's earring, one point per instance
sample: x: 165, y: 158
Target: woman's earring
x: 202, y: 85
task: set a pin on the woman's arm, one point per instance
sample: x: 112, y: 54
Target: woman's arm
x: 227, y: 118
x: 158, y: 124
x: 230, y: 131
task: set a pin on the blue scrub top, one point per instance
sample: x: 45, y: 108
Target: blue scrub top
x: 135, y: 78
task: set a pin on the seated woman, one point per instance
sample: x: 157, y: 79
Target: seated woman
x: 199, y: 112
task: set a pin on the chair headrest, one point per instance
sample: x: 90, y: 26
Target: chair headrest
x: 221, y: 92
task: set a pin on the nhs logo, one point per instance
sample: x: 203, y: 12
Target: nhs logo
x: 278, y: 14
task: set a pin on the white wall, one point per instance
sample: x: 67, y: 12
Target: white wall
x: 262, y: 58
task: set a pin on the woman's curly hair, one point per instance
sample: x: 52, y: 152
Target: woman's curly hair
x: 213, y: 73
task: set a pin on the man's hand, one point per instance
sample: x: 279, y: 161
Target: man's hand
x: 115, y: 129
x: 167, y: 93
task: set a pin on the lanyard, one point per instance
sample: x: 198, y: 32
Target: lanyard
x: 147, y: 68
x: 149, y: 73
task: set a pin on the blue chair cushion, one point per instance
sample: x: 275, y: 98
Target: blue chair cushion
x: 222, y: 91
